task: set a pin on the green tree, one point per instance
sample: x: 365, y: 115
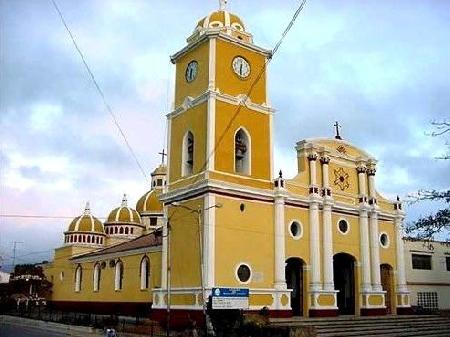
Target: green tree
x: 429, y: 226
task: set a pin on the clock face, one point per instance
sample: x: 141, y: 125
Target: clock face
x: 241, y: 67
x: 191, y: 71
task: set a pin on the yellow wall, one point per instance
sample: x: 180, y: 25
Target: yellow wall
x: 193, y: 120
x: 184, y: 244
x: 257, y: 125
x: 200, y: 84
x: 64, y: 290
x: 388, y: 255
x: 228, y: 82
x: 297, y: 248
x: 346, y: 243
x: 244, y: 237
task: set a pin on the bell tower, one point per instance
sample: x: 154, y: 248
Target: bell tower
x: 221, y: 127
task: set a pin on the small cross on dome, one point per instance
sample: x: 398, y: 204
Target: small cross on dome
x: 87, y: 209
x: 124, y: 201
x: 223, y: 4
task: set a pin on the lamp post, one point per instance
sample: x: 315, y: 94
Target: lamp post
x: 199, y: 211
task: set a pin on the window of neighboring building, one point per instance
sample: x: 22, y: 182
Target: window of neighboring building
x: 97, y: 275
x: 188, y: 154
x: 118, y: 279
x: 78, y: 278
x: 241, y: 152
x: 447, y: 262
x: 420, y: 261
x: 428, y: 300
x: 145, y: 272
x: 244, y: 273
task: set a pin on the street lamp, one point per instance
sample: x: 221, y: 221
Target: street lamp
x: 199, y: 211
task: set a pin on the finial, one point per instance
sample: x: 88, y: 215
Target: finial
x: 124, y: 201
x: 87, y: 209
x: 223, y: 5
x: 280, y: 174
x: 163, y: 155
x: 337, y: 126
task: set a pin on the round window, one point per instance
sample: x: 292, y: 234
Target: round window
x: 343, y: 226
x: 296, y: 229
x: 384, y: 239
x: 243, y: 273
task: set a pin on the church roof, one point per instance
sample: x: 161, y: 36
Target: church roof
x: 146, y: 241
x: 150, y: 202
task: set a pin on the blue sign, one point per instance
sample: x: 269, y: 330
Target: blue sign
x: 230, y: 292
x: 230, y: 298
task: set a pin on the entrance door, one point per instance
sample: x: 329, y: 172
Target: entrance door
x: 386, y: 282
x: 294, y: 281
x: 344, y: 282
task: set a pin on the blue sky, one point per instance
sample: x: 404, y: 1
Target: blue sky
x: 379, y: 67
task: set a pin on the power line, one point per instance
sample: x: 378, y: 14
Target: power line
x: 35, y: 216
x: 99, y: 90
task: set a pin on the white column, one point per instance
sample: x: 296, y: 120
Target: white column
x: 371, y: 173
x: 401, y: 277
x: 325, y: 175
x: 375, y: 251
x: 312, y: 169
x: 362, y: 180
x: 365, y: 248
x: 209, y: 216
x: 314, y: 244
x: 280, y: 256
x: 328, y: 279
x: 164, y: 249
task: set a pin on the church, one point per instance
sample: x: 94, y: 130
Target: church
x: 323, y: 243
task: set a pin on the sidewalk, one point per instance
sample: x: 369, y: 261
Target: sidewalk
x: 70, y: 330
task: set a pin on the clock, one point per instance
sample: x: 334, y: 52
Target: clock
x: 241, y: 67
x: 191, y: 71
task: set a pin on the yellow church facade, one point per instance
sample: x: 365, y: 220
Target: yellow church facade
x: 323, y: 243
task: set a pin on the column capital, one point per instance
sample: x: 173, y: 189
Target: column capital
x: 325, y: 160
x: 326, y: 192
x: 371, y: 171
x: 361, y: 169
x: 314, y: 190
x: 312, y: 156
x: 362, y: 199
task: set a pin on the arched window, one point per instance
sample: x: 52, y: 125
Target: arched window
x: 131, y: 230
x: 101, y: 241
x: 242, y: 152
x: 145, y: 272
x: 115, y: 230
x: 97, y: 275
x: 80, y: 238
x: 118, y: 279
x: 78, y: 278
x: 188, y: 154
x: 126, y: 230
x: 88, y: 239
x: 121, y: 230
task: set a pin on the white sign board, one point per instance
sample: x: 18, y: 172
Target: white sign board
x: 230, y: 298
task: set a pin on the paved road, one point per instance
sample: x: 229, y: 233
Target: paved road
x: 12, y: 330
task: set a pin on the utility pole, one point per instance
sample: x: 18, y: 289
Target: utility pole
x: 14, y: 254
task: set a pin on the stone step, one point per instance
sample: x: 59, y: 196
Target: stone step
x: 397, y: 331
x: 379, y: 327
x: 333, y: 322
x: 363, y: 323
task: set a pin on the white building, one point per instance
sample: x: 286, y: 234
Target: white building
x: 4, y: 277
x: 428, y: 273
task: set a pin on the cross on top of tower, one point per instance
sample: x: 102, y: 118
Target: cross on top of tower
x: 223, y: 4
x: 337, y: 126
x: 163, y: 155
